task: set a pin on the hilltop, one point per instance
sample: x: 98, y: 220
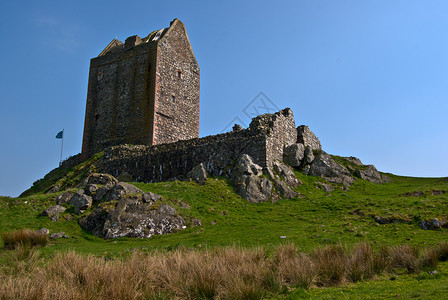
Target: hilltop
x: 390, y: 214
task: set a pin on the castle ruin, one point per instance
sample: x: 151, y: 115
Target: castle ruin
x: 143, y: 92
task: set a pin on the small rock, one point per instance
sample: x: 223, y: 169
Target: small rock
x: 237, y: 127
x: 196, y: 222
x: 185, y: 205
x: 413, y: 194
x: 150, y: 198
x: 43, y: 231
x: 326, y: 187
x: 384, y: 178
x: 437, y: 192
x: 435, y: 223
x: 55, y: 236
x: 306, y: 169
x: 64, y: 198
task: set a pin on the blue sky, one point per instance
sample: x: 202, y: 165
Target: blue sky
x: 370, y: 78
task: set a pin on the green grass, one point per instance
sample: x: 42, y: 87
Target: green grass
x: 318, y: 219
x: 404, y: 286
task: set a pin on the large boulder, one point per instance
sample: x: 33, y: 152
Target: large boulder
x: 293, y: 154
x: 131, y: 216
x: 102, y: 192
x: 198, y: 174
x: 254, y: 188
x: 53, y: 212
x: 324, y: 166
x: 80, y: 201
x: 306, y: 137
x: 308, y: 155
x: 101, y: 179
x: 121, y: 189
x: 370, y: 174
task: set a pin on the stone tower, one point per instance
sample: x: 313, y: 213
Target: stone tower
x: 143, y: 92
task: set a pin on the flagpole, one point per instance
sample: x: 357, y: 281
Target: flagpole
x: 62, y: 145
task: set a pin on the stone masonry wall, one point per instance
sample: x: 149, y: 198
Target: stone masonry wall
x: 263, y: 141
x: 120, y: 99
x: 144, y: 93
x: 280, y: 132
x: 177, y: 88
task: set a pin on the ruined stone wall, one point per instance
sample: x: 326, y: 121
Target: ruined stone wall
x: 177, y: 88
x: 264, y: 141
x: 280, y: 130
x: 166, y: 161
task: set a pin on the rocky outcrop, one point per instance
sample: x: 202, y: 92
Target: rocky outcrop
x: 324, y: 166
x: 132, y: 216
x: 354, y: 160
x: 370, y: 174
x: 306, y: 137
x: 249, y: 183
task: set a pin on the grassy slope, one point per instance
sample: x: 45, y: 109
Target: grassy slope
x: 318, y: 219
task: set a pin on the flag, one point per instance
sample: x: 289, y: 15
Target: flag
x: 60, y: 135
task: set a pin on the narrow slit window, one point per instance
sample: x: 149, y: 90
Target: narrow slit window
x: 173, y: 98
x: 179, y: 74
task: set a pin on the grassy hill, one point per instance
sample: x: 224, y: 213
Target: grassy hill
x: 341, y: 217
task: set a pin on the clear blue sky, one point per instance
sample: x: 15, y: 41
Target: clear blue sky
x: 370, y: 78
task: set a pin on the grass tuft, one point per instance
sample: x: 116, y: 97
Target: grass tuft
x: 23, y: 238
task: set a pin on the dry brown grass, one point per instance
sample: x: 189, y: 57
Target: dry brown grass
x: 23, y: 237
x: 221, y: 273
x: 294, y: 268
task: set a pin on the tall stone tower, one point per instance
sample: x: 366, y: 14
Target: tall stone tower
x: 143, y: 92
